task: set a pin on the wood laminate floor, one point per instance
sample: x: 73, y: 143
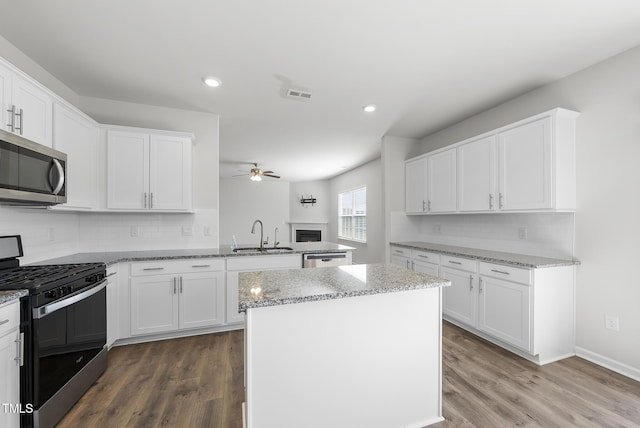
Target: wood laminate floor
x: 198, y: 382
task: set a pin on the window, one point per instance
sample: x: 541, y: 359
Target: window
x: 352, y: 215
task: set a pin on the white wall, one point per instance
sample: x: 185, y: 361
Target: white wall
x: 369, y: 175
x: 607, y: 227
x: 242, y: 201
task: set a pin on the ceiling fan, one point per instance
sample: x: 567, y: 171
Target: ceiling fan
x: 256, y: 174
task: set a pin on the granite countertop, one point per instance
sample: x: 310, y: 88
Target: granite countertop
x: 7, y: 296
x: 490, y: 256
x: 281, y: 287
x: 113, y: 257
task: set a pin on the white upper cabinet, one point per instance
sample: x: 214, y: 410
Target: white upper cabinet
x: 526, y: 166
x: 441, y: 182
x: 477, y: 175
x: 416, y: 186
x: 148, y: 171
x: 78, y: 137
x: 27, y: 109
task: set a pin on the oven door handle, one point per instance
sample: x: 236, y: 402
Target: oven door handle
x: 43, y: 311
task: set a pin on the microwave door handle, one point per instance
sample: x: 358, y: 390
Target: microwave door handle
x: 43, y: 311
x: 58, y: 168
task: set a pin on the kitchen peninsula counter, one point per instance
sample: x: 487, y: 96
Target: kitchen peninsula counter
x: 356, y: 345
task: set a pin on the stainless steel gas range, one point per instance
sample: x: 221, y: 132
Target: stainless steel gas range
x: 64, y: 325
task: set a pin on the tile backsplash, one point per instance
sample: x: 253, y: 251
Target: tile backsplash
x: 538, y: 234
x: 50, y: 233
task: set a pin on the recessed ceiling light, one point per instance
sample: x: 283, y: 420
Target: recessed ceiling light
x: 369, y: 108
x: 211, y: 81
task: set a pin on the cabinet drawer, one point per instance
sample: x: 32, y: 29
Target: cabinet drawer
x: 170, y: 267
x: 458, y: 263
x: 401, y: 251
x: 509, y: 273
x: 9, y: 317
x: 425, y: 256
x: 288, y: 261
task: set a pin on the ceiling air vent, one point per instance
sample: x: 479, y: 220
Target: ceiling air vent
x: 298, y: 94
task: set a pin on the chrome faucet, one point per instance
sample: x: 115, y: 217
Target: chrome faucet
x: 275, y: 238
x: 253, y: 230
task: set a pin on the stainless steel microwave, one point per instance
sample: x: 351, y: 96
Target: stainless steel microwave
x: 30, y: 173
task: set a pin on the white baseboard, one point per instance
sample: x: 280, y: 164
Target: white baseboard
x: 616, y: 366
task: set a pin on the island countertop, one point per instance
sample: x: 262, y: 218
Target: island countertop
x: 281, y: 287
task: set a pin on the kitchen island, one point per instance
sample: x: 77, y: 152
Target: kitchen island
x: 356, y: 345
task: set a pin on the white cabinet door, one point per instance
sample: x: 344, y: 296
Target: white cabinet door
x: 154, y: 305
x: 477, y: 176
x: 37, y: 110
x: 112, y: 305
x: 428, y: 268
x: 170, y: 173
x: 201, y: 299
x: 10, y: 375
x: 460, y: 299
x: 78, y: 138
x: 5, y: 97
x: 504, y: 311
x: 415, y: 186
x: 441, y: 182
x: 404, y: 262
x: 525, y: 174
x: 127, y: 170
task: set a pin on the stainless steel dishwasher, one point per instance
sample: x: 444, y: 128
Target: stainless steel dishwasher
x: 324, y: 260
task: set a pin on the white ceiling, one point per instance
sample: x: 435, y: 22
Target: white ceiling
x: 424, y: 63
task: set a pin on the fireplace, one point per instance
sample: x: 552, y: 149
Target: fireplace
x: 303, y: 235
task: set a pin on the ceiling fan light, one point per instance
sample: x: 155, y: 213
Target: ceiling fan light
x: 255, y: 177
x: 369, y: 108
x: 211, y: 81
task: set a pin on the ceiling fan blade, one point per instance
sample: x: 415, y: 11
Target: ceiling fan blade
x: 267, y: 172
x: 240, y: 175
x: 271, y: 175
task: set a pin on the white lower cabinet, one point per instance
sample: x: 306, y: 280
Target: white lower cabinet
x: 167, y: 296
x: 112, y: 305
x: 504, y: 311
x: 10, y: 358
x: 419, y: 261
x: 460, y: 300
x: 236, y: 265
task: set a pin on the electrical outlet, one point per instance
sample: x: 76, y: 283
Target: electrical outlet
x: 437, y: 228
x: 522, y: 233
x: 135, y: 231
x: 612, y: 322
x: 51, y: 234
x: 207, y: 231
x: 187, y: 231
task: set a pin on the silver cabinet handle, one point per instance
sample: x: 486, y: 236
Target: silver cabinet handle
x: 12, y: 116
x: 455, y: 263
x: 490, y: 201
x: 470, y: 282
x: 19, y: 350
x: 480, y: 281
x: 21, y: 127
x: 174, y: 285
x: 151, y: 200
x: 200, y: 266
x: 424, y: 208
x: 413, y: 265
x: 423, y: 256
x: 407, y: 264
x: 428, y: 205
x: 500, y: 271
x: 145, y: 200
x: 500, y: 200
x: 4, y: 322
x: 180, y: 284
x: 156, y: 268
x: 57, y: 166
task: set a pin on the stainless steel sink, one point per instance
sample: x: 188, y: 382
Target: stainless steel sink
x: 263, y: 250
